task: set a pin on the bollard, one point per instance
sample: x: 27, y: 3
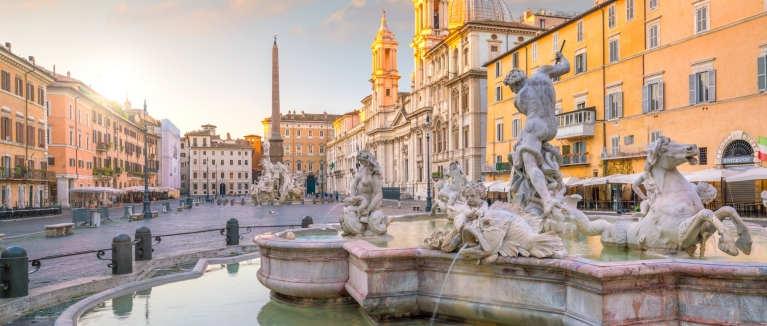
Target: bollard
x: 143, y: 248
x: 232, y: 232
x: 122, y: 255
x: 306, y: 221
x: 14, y: 273
x: 189, y: 202
x: 399, y: 204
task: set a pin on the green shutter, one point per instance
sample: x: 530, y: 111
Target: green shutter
x: 761, y: 64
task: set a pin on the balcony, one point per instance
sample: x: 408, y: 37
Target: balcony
x: 575, y: 159
x: 621, y: 152
x: 576, y: 124
x: 27, y: 175
x: 497, y: 168
x: 102, y: 147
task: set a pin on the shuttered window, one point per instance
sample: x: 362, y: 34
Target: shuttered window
x: 580, y: 31
x: 702, y: 87
x: 614, y: 106
x: 580, y: 63
x: 761, y: 74
x: 652, y: 97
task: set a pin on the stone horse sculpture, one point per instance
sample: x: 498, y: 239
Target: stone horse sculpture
x: 676, y: 218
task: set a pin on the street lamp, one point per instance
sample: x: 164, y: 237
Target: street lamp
x: 428, y: 167
x: 207, y: 180
x: 189, y: 174
x: 322, y: 180
x: 147, y: 210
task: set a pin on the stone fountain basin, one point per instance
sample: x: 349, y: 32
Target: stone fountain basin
x: 400, y: 283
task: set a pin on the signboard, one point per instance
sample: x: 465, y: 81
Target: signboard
x: 738, y: 160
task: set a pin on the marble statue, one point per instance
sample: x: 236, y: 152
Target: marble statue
x: 440, y: 203
x: 536, y: 183
x: 502, y: 230
x: 362, y: 213
x: 676, y: 218
x: 764, y: 198
x: 295, y: 189
x: 275, y: 184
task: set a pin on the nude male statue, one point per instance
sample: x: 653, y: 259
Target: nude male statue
x: 536, y: 99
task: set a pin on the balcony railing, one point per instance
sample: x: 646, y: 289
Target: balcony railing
x: 21, y: 174
x: 628, y: 151
x: 102, y: 147
x: 152, y: 171
x: 575, y: 159
x: 501, y: 167
x: 579, y: 123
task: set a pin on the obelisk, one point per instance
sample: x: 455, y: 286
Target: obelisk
x: 275, y: 140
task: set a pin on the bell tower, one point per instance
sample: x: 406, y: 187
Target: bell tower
x: 385, y: 76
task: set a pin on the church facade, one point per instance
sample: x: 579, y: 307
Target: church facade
x: 449, y: 86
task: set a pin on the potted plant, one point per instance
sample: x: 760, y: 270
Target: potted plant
x: 107, y: 171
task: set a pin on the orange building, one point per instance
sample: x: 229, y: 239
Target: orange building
x: 258, y: 154
x: 691, y: 71
x: 94, y: 142
x: 24, y: 179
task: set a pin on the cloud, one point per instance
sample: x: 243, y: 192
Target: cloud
x: 338, y: 16
x: 298, y: 30
x: 186, y: 17
x: 31, y: 5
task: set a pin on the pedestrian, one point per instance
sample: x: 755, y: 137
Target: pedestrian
x: 336, y: 193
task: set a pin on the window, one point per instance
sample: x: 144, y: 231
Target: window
x: 287, y: 148
x: 388, y: 92
x: 761, y: 73
x: 701, y: 19
x: 614, y: 50
x: 287, y: 132
x: 654, y: 37
x: 653, y: 4
x: 555, y: 42
x: 246, y: 162
x: 239, y: 162
x: 614, y: 106
x: 494, y: 48
x: 231, y: 175
x: 231, y: 162
x: 652, y: 97
x: 654, y: 135
x: 515, y: 128
x: 298, y: 132
x: 558, y: 108
x: 499, y: 131
x: 498, y: 70
x: 628, y: 140
x: 239, y: 175
x: 580, y: 63
x: 703, y: 87
x: 322, y: 133
x: 19, y: 87
x: 611, y: 17
x: 5, y: 81
x: 629, y: 10
x: 615, y: 145
x: 579, y: 32
x: 498, y: 93
x: 194, y: 175
x: 298, y: 166
x: 535, y: 51
x: 515, y: 60
x: 703, y: 156
x: 542, y: 23
x: 466, y: 57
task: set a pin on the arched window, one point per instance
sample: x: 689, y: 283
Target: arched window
x: 455, y: 63
x: 455, y: 101
x: 738, y: 147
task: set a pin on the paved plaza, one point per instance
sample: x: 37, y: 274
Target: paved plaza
x: 29, y: 234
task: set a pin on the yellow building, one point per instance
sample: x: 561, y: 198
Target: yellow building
x: 691, y: 71
x: 24, y: 177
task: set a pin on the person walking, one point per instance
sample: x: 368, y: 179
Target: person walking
x: 336, y: 193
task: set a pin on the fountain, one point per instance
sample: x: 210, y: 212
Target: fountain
x: 505, y: 264
x: 276, y: 184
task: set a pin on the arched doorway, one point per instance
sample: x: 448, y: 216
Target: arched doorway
x: 739, y: 155
x: 222, y: 189
x: 310, y: 183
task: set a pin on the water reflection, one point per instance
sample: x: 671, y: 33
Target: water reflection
x: 122, y: 305
x: 274, y: 313
x: 233, y: 268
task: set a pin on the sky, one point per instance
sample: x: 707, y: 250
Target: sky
x: 209, y: 61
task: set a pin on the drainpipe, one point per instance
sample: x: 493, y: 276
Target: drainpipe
x: 77, y: 145
x: 26, y: 117
x: 604, y: 121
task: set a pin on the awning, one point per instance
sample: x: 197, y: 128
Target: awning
x: 96, y: 190
x: 502, y: 186
x: 629, y: 178
x: 599, y: 181
x: 141, y: 189
x: 749, y: 175
x: 570, y: 181
x: 488, y: 184
x: 711, y: 175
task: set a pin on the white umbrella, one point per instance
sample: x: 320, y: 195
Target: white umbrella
x: 749, y: 175
x: 8, y: 196
x: 37, y: 196
x: 487, y: 184
x: 579, y: 183
x: 711, y: 175
x: 22, y: 192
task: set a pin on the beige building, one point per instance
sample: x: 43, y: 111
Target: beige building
x: 305, y: 137
x: 212, y: 166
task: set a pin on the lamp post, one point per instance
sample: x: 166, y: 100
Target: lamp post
x: 189, y: 174
x: 322, y: 180
x: 428, y: 167
x: 147, y: 210
x: 207, y: 180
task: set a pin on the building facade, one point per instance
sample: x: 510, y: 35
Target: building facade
x: 212, y: 166
x: 640, y: 69
x: 305, y: 137
x: 94, y: 142
x: 169, y: 148
x: 452, y: 41
x: 24, y: 177
x: 258, y: 154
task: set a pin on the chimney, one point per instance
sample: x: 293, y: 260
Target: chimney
x: 69, y: 74
x: 8, y: 46
x: 32, y: 60
x: 54, y: 70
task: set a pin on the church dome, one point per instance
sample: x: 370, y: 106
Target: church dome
x: 463, y: 11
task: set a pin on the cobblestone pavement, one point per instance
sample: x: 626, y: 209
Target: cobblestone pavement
x: 28, y: 233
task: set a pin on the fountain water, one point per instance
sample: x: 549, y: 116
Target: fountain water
x: 436, y: 307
